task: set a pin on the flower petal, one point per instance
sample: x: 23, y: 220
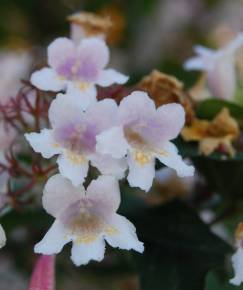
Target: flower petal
x: 47, y: 79
x: 105, y: 190
x: 84, y: 96
x: 63, y: 109
x: 195, y: 63
x: 140, y: 175
x: 59, y: 193
x: 237, y: 260
x: 170, y: 157
x: 109, y: 166
x: 222, y: 78
x: 73, y: 168
x: 124, y: 234
x: 95, y: 51
x: 204, y: 51
x: 109, y: 77
x: 136, y: 105
x: 102, y: 114
x: 113, y: 142
x: 53, y: 241
x: 2, y: 237
x: 43, y: 143
x: 59, y: 51
x: 172, y: 119
x: 82, y: 253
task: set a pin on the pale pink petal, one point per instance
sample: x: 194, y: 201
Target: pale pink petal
x: 109, y: 166
x: 94, y: 51
x: 84, y: 96
x: 136, y: 105
x: 83, y: 253
x: 64, y: 109
x: 59, y: 193
x: 47, y: 79
x: 222, y: 78
x: 140, y: 175
x: 2, y: 237
x: 234, y: 45
x: 43, y: 276
x: 169, y: 156
x: 171, y: 117
x: 113, y: 142
x: 109, y: 77
x: 204, y: 51
x: 54, y: 240
x: 43, y: 143
x: 124, y: 234
x: 237, y: 261
x: 195, y: 63
x: 102, y: 114
x: 105, y: 190
x: 60, y: 50
x: 74, y: 170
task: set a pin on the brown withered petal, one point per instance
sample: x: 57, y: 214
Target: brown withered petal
x: 91, y: 23
x: 167, y: 191
x: 164, y: 89
x: 239, y: 231
x: 115, y: 14
x: 221, y: 131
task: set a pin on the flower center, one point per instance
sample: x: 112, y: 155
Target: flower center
x: 83, y: 221
x: 80, y: 70
x: 77, y: 139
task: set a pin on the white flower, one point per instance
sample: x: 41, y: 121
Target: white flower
x: 87, y: 219
x: 77, y: 68
x: 220, y: 67
x: 237, y: 258
x: 143, y: 134
x: 2, y: 237
x: 73, y: 137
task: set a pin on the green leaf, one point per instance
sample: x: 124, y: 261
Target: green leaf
x: 179, y: 248
x: 223, y: 176
x: 215, y: 283
x: 209, y: 108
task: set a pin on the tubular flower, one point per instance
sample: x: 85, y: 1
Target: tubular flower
x: 73, y: 137
x: 77, y: 68
x: 220, y: 67
x: 88, y: 219
x: 142, y: 135
x: 237, y: 258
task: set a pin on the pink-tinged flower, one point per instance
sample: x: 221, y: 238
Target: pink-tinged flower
x: 142, y: 135
x: 77, y: 68
x: 43, y: 276
x: 220, y: 67
x: 73, y: 137
x: 2, y: 237
x: 88, y: 219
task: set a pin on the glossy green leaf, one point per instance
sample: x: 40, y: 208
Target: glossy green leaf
x: 209, y: 108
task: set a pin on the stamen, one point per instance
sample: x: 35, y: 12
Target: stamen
x: 75, y: 158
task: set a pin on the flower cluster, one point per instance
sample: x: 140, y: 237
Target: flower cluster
x: 112, y: 138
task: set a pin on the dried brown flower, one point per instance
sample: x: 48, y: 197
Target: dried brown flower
x: 211, y: 135
x: 164, y: 89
